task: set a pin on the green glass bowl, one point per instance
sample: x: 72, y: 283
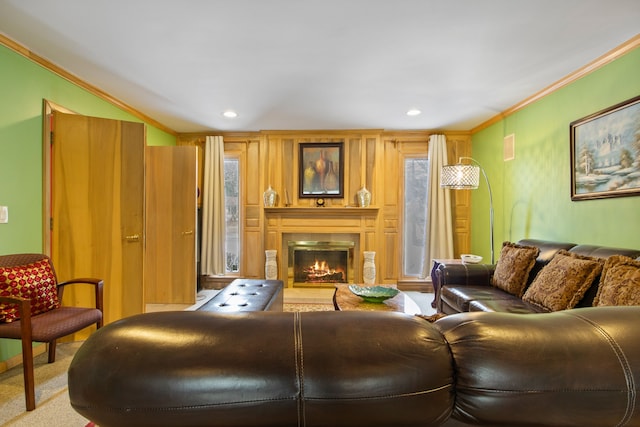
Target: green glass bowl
x: 373, y: 293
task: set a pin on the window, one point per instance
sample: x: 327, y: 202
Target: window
x: 232, y: 213
x: 416, y: 177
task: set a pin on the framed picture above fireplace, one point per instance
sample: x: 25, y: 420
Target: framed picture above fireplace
x: 321, y: 170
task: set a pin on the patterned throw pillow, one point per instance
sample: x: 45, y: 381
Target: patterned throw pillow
x: 562, y: 283
x: 513, y: 268
x: 35, y: 282
x: 619, y: 283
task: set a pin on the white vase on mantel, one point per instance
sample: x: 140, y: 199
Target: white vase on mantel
x: 270, y: 265
x: 369, y: 268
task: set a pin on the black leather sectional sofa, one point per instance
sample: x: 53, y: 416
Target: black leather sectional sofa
x: 469, y: 287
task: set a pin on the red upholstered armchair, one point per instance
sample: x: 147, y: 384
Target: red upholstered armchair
x: 30, y: 309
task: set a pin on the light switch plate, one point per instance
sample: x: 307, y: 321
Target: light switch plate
x: 4, y: 214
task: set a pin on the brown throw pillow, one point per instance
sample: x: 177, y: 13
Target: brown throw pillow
x: 513, y: 268
x: 619, y: 283
x: 562, y: 283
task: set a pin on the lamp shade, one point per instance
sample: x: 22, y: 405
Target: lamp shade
x: 460, y: 177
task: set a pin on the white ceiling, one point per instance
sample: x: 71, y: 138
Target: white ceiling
x: 320, y: 64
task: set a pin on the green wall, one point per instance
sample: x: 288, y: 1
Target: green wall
x: 23, y: 86
x: 531, y: 193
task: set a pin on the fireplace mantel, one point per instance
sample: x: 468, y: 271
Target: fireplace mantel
x: 323, y: 211
x: 356, y: 224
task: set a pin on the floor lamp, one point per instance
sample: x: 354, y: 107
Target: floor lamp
x: 467, y: 177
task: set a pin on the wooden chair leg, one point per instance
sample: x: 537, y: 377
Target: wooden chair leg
x: 29, y: 382
x: 52, y: 351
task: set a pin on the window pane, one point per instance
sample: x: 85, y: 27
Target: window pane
x: 416, y: 173
x: 232, y: 211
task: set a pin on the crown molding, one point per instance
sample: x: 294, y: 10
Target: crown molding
x: 605, y: 59
x: 48, y: 65
x: 608, y: 57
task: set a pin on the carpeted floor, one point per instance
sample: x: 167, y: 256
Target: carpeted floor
x: 52, y: 399
x: 307, y: 307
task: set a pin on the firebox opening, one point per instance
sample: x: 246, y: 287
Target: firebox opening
x: 321, y: 263
x: 320, y: 266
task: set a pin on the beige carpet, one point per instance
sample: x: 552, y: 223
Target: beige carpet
x: 307, y: 307
x: 52, y: 399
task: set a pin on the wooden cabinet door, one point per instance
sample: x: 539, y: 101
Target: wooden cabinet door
x: 97, y: 209
x: 171, y: 210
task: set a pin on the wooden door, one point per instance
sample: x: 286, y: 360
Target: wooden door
x: 170, y: 248
x: 98, y: 209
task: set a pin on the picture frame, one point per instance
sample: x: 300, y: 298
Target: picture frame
x: 605, y: 152
x: 321, y: 170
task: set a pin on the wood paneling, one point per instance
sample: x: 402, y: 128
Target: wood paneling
x: 355, y: 179
x: 253, y: 261
x: 460, y: 146
x: 253, y: 182
x: 372, y: 158
x: 288, y: 163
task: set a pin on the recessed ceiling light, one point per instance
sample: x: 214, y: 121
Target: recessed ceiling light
x: 230, y: 114
x: 414, y: 112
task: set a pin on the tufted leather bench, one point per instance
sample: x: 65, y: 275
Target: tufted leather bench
x: 247, y: 295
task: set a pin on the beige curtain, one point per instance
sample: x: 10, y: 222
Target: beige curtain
x: 212, y: 258
x: 439, y: 223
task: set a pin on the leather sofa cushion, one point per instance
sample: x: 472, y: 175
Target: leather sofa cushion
x: 604, y: 251
x: 514, y: 265
x: 259, y: 369
x: 571, y: 368
x: 459, y: 297
x: 562, y: 283
x: 619, y: 283
x: 506, y: 306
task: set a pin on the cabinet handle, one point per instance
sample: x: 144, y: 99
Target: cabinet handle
x: 187, y: 233
x: 132, y: 238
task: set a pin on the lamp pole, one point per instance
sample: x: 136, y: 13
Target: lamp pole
x: 490, y: 202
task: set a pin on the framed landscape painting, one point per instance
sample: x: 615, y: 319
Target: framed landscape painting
x: 321, y: 169
x: 605, y: 153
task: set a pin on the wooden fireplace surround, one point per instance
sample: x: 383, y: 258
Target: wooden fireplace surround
x: 363, y: 223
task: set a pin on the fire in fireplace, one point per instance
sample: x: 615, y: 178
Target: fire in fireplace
x: 318, y: 263
x: 323, y: 266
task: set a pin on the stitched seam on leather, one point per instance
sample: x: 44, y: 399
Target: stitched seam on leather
x: 383, y: 396
x: 624, y: 364
x: 299, y: 361
x: 538, y: 391
x: 127, y: 410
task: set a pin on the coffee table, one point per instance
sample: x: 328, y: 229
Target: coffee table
x: 345, y: 300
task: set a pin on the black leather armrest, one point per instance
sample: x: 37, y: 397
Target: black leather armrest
x: 465, y: 274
